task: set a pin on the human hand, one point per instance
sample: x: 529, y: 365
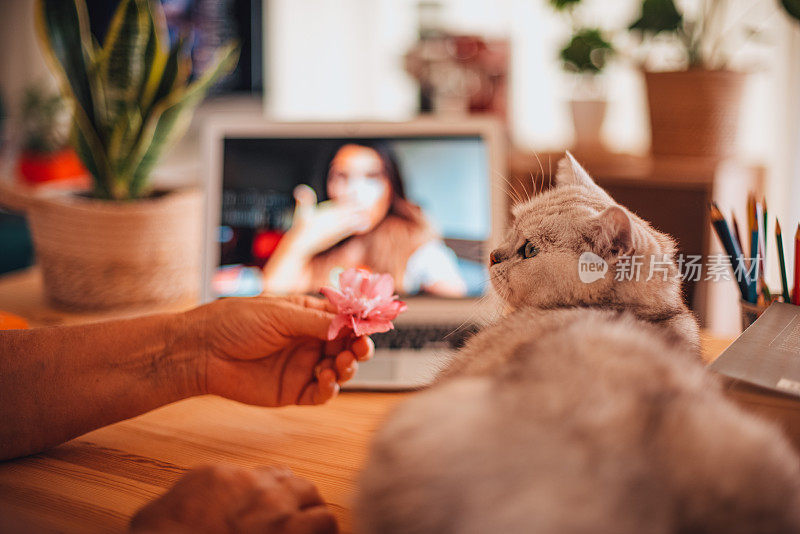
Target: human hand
x: 273, y: 351
x: 317, y: 227
x: 222, y: 499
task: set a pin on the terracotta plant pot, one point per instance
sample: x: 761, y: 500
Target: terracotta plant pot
x: 694, y: 112
x: 97, y: 254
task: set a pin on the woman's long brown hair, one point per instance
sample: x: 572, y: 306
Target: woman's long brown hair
x: 387, y: 247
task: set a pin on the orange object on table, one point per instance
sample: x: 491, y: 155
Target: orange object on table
x: 9, y: 321
x: 40, y: 168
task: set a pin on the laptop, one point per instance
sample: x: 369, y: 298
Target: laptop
x: 441, y: 182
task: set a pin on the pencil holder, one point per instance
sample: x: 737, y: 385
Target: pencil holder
x: 750, y: 312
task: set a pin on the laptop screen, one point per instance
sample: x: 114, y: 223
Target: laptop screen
x: 298, y: 211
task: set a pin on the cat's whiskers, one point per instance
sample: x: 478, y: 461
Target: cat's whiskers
x: 507, y: 190
x: 512, y: 192
x: 541, y: 168
x: 475, y: 309
x: 536, y: 154
x: 538, y: 184
x: 478, y: 307
x: 533, y: 186
x: 504, y: 190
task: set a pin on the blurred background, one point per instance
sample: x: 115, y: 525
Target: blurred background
x: 559, y: 74
x: 344, y: 60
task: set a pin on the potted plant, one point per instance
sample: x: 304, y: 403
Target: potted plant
x: 585, y: 55
x: 132, y: 98
x: 46, y: 155
x: 694, y: 109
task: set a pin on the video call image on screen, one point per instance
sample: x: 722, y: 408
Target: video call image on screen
x: 296, y: 212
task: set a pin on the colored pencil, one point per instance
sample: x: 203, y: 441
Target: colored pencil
x: 796, y: 296
x: 733, y: 251
x: 736, y: 232
x: 781, y: 261
x: 753, y: 272
x: 761, y: 257
x: 764, y: 230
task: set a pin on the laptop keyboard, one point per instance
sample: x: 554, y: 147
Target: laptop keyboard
x: 418, y: 337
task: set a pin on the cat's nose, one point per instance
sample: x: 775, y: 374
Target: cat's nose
x: 495, y: 257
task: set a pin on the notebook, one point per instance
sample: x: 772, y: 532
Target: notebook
x: 767, y: 354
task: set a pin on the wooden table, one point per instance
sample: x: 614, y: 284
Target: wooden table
x: 95, y: 482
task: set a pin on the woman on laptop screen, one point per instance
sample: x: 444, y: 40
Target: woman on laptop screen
x: 366, y: 221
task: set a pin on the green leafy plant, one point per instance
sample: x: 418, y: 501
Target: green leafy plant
x: 45, y: 121
x: 662, y: 17
x: 131, y: 97
x: 708, y: 37
x: 563, y: 5
x: 586, y: 52
x: 658, y: 16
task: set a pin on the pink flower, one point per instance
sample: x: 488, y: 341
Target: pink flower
x: 365, y: 302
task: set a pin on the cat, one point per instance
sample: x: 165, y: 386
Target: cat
x: 584, y: 409
x: 578, y: 216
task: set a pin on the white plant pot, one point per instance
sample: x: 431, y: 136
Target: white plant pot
x: 98, y: 254
x: 587, y: 120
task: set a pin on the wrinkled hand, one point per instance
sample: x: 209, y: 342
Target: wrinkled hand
x: 273, y: 351
x: 227, y: 499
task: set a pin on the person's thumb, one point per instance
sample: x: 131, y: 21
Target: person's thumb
x: 301, y: 321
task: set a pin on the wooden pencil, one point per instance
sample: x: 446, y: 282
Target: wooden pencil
x: 761, y: 257
x: 753, y: 273
x: 781, y: 262
x: 733, y: 252
x: 764, y: 230
x: 736, y: 232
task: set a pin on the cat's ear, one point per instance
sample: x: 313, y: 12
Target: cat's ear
x: 570, y: 172
x: 613, y: 233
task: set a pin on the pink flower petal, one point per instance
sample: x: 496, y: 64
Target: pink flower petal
x: 365, y: 327
x: 336, y: 298
x: 365, y: 302
x: 390, y: 310
x: 351, y: 278
x: 338, y: 322
x: 379, y: 287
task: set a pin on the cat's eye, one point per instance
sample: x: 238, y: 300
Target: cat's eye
x: 529, y: 250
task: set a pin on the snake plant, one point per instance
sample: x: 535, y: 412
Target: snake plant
x: 132, y: 96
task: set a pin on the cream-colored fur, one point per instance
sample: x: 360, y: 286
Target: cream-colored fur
x: 583, y: 410
x: 577, y: 216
